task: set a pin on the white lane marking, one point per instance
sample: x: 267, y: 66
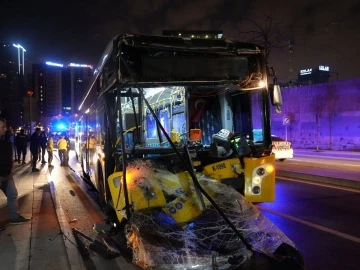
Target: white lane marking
x: 327, y: 157
x: 311, y: 161
x: 319, y: 184
x: 313, y: 225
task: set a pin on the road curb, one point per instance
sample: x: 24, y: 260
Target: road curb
x: 72, y: 251
x: 335, y: 181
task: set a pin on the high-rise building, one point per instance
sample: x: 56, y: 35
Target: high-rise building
x: 12, y: 82
x: 59, y: 88
x: 77, y: 80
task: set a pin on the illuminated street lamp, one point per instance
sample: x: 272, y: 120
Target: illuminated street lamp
x: 23, y: 56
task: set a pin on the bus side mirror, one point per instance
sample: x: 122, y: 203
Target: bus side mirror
x: 276, y: 97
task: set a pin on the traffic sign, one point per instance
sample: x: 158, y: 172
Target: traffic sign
x: 286, y: 120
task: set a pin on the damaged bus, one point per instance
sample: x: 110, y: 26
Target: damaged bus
x: 181, y: 139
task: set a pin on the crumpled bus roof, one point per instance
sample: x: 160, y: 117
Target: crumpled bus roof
x: 219, y: 47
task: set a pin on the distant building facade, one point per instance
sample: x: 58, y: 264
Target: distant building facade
x: 324, y: 115
x: 308, y: 76
x: 12, y: 83
x: 59, y: 88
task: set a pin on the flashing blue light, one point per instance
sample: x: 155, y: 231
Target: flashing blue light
x: 61, y: 126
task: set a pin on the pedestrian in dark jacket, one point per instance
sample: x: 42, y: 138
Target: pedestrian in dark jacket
x: 34, y: 148
x: 44, y: 135
x: 7, y: 183
x: 21, y: 143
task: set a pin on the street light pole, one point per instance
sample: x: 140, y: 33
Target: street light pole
x: 18, y: 46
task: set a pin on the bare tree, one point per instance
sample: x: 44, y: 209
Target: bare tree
x: 264, y: 31
x: 318, y: 105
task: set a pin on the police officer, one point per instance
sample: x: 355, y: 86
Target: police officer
x: 62, y: 146
x: 21, y: 143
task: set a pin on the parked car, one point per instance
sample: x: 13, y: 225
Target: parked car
x: 281, y: 148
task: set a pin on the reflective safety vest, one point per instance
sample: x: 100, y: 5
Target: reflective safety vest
x: 62, y: 144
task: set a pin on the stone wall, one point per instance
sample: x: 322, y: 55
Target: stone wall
x: 324, y: 116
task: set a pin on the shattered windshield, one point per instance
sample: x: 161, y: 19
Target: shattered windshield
x: 168, y: 230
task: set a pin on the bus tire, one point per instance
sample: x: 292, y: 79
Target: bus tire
x: 102, y: 191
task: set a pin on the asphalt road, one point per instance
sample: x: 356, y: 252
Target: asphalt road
x: 347, y: 161
x: 323, y: 221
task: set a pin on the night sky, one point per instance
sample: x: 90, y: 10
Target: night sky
x: 325, y: 32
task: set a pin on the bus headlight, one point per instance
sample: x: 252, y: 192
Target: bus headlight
x: 256, y: 190
x: 269, y: 168
x: 262, y: 84
x: 256, y: 180
x: 260, y: 171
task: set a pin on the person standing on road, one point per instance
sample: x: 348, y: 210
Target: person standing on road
x: 62, y: 146
x: 34, y: 148
x: 13, y: 139
x: 91, y: 145
x: 7, y: 183
x: 21, y: 142
x: 67, y: 151
x: 50, y: 149
x: 44, y: 135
